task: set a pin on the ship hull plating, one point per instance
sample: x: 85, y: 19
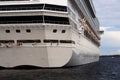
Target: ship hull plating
x: 43, y: 34
x: 49, y: 56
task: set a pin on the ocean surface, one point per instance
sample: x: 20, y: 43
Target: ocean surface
x: 108, y: 68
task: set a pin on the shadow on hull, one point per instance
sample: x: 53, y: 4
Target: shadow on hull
x: 30, y: 67
x: 21, y: 67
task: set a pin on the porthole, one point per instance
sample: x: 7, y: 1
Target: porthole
x: 63, y: 31
x: 18, y: 31
x: 7, y: 31
x: 54, y: 30
x: 28, y: 30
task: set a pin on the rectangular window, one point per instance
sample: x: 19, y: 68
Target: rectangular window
x: 55, y: 7
x: 67, y: 41
x: 28, y: 41
x: 50, y: 41
x: 28, y: 30
x: 6, y: 41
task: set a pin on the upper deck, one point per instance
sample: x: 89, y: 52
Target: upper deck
x: 83, y: 9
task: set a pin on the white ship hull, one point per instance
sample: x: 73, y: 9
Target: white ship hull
x: 37, y: 33
x: 51, y: 55
x: 45, y: 56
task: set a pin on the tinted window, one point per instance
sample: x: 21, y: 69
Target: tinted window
x: 63, y: 31
x: 7, y: 31
x: 17, y: 31
x: 28, y: 30
x: 54, y: 30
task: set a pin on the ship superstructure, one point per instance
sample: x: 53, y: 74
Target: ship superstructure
x: 47, y: 33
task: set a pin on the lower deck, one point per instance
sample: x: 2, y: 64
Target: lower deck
x: 45, y: 46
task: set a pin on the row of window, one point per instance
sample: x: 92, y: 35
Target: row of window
x: 34, y: 19
x: 55, y: 31
x: 38, y: 41
x: 29, y: 31
x: 18, y: 31
x: 57, y: 41
x: 33, y: 7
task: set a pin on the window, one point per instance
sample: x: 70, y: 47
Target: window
x: 67, y: 41
x: 29, y: 41
x: 17, y: 31
x: 7, y: 31
x: 28, y: 30
x: 6, y: 41
x: 54, y: 30
x: 55, y: 7
x: 63, y: 31
x: 56, y: 20
x: 50, y: 41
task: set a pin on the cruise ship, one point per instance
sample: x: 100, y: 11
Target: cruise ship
x: 48, y: 33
